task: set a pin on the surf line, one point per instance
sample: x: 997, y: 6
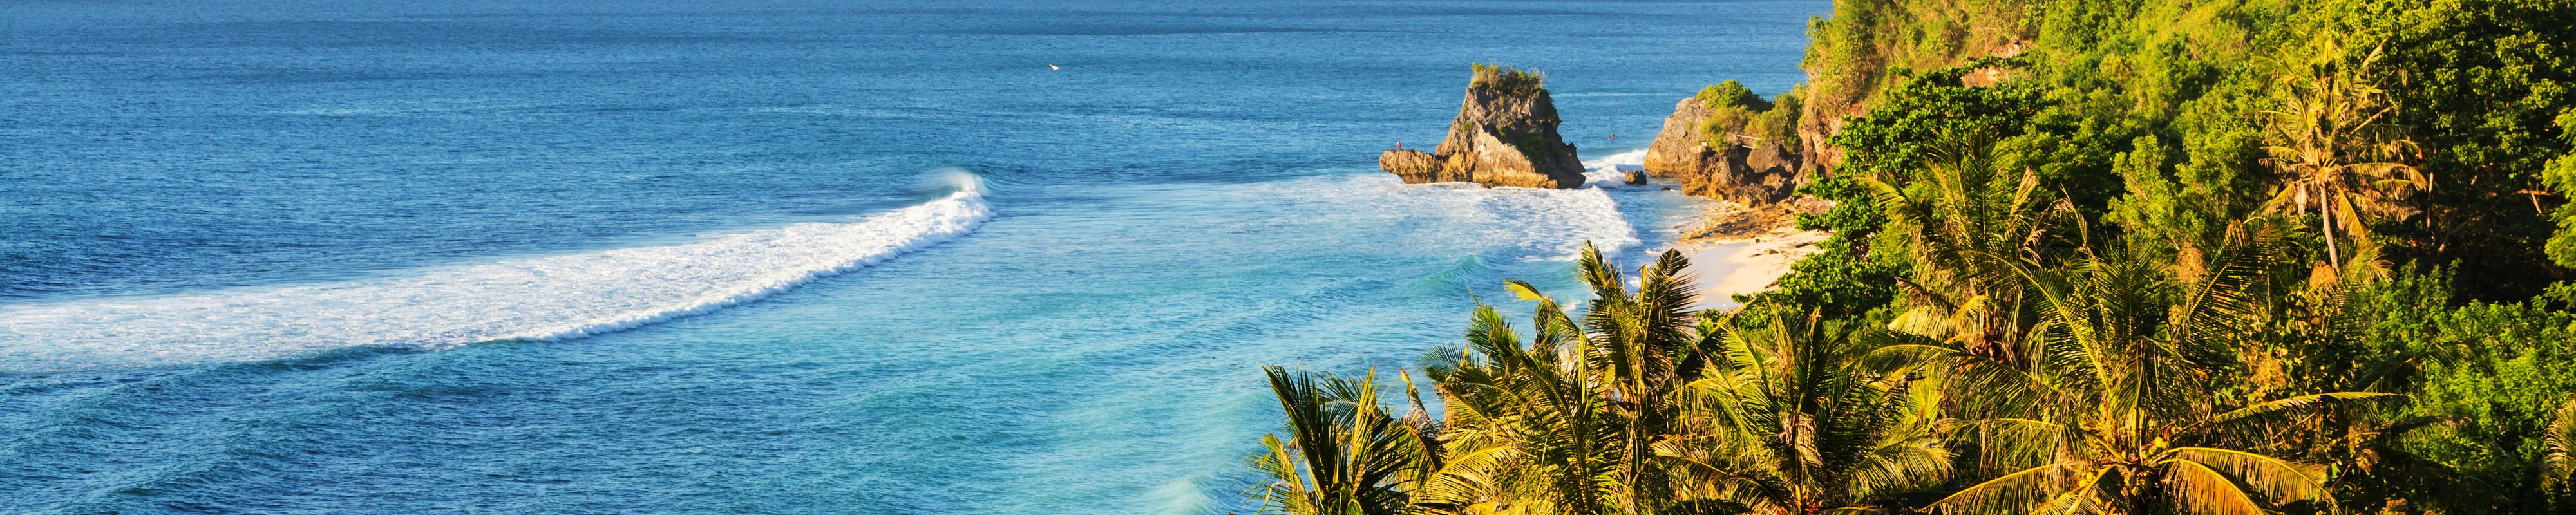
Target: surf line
x: 542, y: 298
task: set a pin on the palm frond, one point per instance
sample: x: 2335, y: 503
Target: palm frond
x: 2558, y: 460
x: 2274, y: 479
x: 2270, y: 411
x: 2198, y: 489
x: 2017, y: 492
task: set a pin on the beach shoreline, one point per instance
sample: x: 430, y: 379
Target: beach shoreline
x: 1736, y: 249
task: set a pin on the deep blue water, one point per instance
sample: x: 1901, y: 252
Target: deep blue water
x: 760, y: 257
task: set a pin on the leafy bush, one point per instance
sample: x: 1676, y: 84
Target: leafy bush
x: 1742, y: 117
x: 1509, y: 80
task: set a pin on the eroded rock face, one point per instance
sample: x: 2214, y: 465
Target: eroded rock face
x: 1677, y: 151
x: 1502, y: 137
x: 1743, y: 168
x: 1415, y: 167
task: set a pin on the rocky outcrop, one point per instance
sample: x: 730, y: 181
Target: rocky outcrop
x: 1415, y: 167
x: 1678, y: 150
x: 1504, y: 135
x: 1738, y: 166
x: 1818, y: 125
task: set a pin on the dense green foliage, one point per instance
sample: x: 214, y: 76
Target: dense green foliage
x: 1506, y: 79
x: 1738, y: 113
x: 2163, y: 122
x: 2089, y: 256
x: 2438, y: 131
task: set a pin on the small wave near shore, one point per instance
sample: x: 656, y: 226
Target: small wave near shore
x: 539, y: 298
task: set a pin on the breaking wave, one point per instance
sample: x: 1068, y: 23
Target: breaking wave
x: 1523, y: 224
x: 539, y: 298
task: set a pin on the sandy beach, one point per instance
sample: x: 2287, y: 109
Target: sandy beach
x: 1722, y: 269
x: 1736, y: 250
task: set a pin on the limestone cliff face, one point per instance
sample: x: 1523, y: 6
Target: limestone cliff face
x: 1677, y: 151
x: 1827, y: 107
x: 1742, y: 168
x: 1505, y: 135
x: 1415, y: 167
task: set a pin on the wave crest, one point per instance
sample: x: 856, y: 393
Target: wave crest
x: 1519, y: 224
x: 540, y: 298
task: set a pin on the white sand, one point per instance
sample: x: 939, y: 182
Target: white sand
x: 1722, y: 269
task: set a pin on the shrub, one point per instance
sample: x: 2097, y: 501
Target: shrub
x: 1509, y: 80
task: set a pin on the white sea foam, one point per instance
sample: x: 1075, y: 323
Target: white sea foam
x: 1604, y: 171
x: 1530, y: 224
x: 1631, y: 157
x: 541, y: 298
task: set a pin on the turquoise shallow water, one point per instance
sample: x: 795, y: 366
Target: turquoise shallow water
x: 771, y: 257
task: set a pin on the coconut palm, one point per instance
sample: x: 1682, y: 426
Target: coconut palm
x: 1565, y: 422
x: 2114, y: 413
x: 2337, y: 157
x: 1345, y: 454
x: 1962, y: 216
x: 2374, y: 468
x: 2558, y: 459
x: 1791, y: 422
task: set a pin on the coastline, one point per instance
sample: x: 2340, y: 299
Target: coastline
x: 1735, y: 249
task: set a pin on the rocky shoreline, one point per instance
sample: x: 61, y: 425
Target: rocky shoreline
x: 1724, y: 143
x: 1728, y: 143
x: 1730, y: 221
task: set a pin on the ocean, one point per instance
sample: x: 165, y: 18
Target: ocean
x: 797, y: 256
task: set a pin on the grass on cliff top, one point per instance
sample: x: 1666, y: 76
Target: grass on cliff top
x: 1732, y: 93
x: 1740, y: 112
x: 1507, y: 79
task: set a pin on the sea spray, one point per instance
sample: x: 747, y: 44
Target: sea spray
x: 538, y: 298
x: 959, y: 213
x: 1603, y: 172
x: 1528, y: 224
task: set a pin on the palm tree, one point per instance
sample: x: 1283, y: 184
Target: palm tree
x: 1565, y: 422
x: 2362, y: 445
x: 1962, y: 217
x: 2114, y: 414
x: 1345, y: 455
x: 2374, y: 468
x: 1793, y: 423
x: 2337, y: 156
x: 2558, y: 458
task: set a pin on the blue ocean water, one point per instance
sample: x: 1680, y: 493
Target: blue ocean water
x: 281, y: 256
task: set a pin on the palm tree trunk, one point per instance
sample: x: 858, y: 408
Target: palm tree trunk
x: 2334, y: 256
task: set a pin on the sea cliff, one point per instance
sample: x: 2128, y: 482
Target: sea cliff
x: 1504, y: 135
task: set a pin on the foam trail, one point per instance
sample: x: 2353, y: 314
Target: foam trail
x: 1603, y: 171
x: 541, y: 298
x: 1530, y: 224
x: 1631, y: 157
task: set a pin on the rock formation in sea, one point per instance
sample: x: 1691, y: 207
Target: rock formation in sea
x: 1505, y: 135
x: 1728, y: 143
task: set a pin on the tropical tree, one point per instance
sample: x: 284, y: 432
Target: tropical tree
x: 2370, y: 466
x: 1565, y: 422
x: 2558, y: 458
x: 2337, y: 156
x: 1789, y: 421
x: 1345, y: 454
x: 2115, y: 413
x: 1962, y: 218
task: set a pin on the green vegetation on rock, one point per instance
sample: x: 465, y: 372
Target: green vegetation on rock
x: 1510, y: 80
x: 1738, y: 112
